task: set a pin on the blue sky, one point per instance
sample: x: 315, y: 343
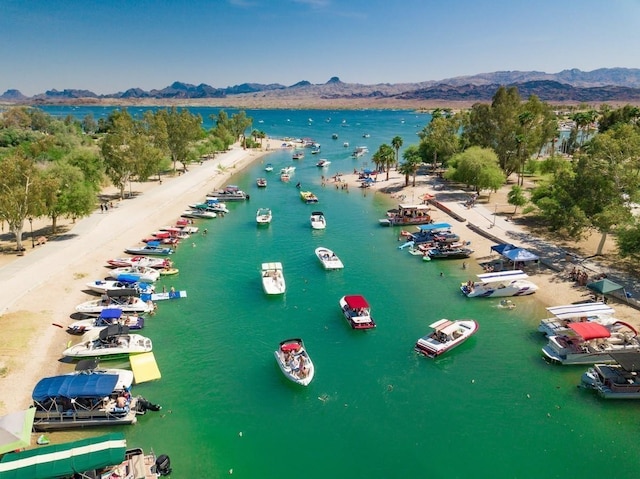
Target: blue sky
x: 108, y: 46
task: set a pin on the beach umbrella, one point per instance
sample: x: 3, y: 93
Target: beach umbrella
x: 604, y: 286
x: 15, y: 430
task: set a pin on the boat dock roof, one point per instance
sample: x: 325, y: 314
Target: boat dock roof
x: 577, y: 310
x: 502, y: 276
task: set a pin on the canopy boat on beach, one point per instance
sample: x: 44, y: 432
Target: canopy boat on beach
x: 590, y: 343
x: 261, y: 182
x: 318, y: 221
x: 263, y: 216
x: 499, y: 284
x: 115, y: 299
x: 148, y: 261
x: 615, y: 381
x: 322, y: 163
x: 328, y: 258
x: 564, y: 315
x: 107, y: 317
x: 112, y: 342
x: 153, y: 248
x: 357, y: 312
x: 273, y: 278
x: 308, y: 197
x: 432, y: 233
x: 123, y: 282
x: 229, y: 193
x: 144, y: 274
x: 446, y: 335
x: 294, y: 361
x: 407, y: 214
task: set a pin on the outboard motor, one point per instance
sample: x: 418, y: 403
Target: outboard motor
x: 144, y: 405
x: 163, y: 465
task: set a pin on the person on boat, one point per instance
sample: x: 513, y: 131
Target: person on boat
x: 295, y: 363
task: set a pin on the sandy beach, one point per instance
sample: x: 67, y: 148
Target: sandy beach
x: 41, y: 289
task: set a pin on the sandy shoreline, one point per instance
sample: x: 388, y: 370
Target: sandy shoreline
x: 44, y: 287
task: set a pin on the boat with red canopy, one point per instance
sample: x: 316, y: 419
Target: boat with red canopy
x: 357, y: 312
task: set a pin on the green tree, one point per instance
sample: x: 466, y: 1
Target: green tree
x: 476, y: 167
x: 396, y: 143
x: 628, y: 240
x: 411, y: 164
x: 440, y: 139
x: 516, y: 197
x: 119, y: 158
x: 183, y: 128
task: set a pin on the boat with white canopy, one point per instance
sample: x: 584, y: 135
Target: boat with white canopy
x: 499, y: 284
x: 585, y: 312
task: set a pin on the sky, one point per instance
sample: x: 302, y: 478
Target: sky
x: 107, y: 46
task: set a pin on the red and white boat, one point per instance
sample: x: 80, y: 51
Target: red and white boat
x: 446, y: 335
x: 149, y: 262
x: 357, y: 312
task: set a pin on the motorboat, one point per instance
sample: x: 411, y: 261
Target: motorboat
x: 407, y: 214
x: 122, y: 282
x: 359, y: 151
x: 322, y: 163
x: 298, y: 155
x: 229, y: 193
x: 615, y: 381
x: 153, y: 248
x: 87, y: 399
x: 357, y: 312
x: 437, y: 233
x: 211, y: 205
x: 143, y: 273
x: 328, y: 258
x: 499, y: 284
x: 198, y: 213
x: 308, y: 197
x: 318, y: 221
x: 273, y: 278
x: 115, y: 299
x: 263, y: 216
x: 449, y: 252
x: 112, y: 342
x: 294, y: 361
x: 445, y: 335
x: 590, y: 343
x: 285, y: 177
x: 261, y: 182
x: 148, y: 261
x: 288, y: 170
x: 562, y: 316
x: 107, y: 317
x: 268, y: 167
x: 346, y: 144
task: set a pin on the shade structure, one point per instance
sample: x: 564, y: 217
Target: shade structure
x: 63, y: 460
x: 590, y: 330
x: 519, y: 255
x: 500, y: 248
x: 604, y: 286
x: 15, y: 430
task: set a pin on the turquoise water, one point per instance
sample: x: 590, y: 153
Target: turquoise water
x: 490, y: 408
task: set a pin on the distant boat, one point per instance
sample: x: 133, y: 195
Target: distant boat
x: 446, y: 335
x: 357, y: 312
x: 294, y: 361
x: 263, y: 216
x: 322, y: 163
x: 268, y: 167
x: 308, y: 197
x: 273, y: 278
x: 261, y: 182
x: 328, y: 258
x: 334, y: 136
x: 318, y: 221
x: 298, y: 155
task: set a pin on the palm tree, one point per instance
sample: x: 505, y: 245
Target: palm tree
x: 411, y: 164
x: 396, y: 142
x: 386, y: 157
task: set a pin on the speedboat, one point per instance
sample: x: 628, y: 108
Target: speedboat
x: 298, y: 155
x: 112, y: 342
x: 199, y: 214
x: 263, y: 216
x: 294, y: 361
x: 285, y: 177
x: 322, y: 163
x: 446, y: 335
x: 143, y: 273
x: 261, y: 182
x: 357, y: 312
x: 123, y: 282
x: 107, y: 317
x: 328, y: 258
x: 212, y: 205
x: 268, y: 167
x: 615, y: 381
x: 308, y: 197
x: 590, y: 343
x: 569, y: 313
x: 499, y: 284
x: 359, y: 151
x: 318, y: 221
x: 288, y: 170
x: 151, y: 248
x: 148, y: 261
x: 273, y: 278
x: 229, y: 193
x: 115, y: 299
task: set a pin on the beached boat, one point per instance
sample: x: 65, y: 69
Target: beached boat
x: 298, y: 155
x: 148, y: 261
x: 562, y: 316
x: 446, y: 335
x: 198, y: 213
x: 115, y: 299
x: 229, y: 193
x: 261, y: 182
x: 357, y: 312
x: 211, y: 205
x: 318, y: 221
x: 449, y: 252
x: 322, y: 163
x: 499, y: 284
x: 615, y: 381
x: 294, y: 361
x: 152, y: 248
x: 143, y: 273
x: 107, y: 317
x: 328, y: 258
x: 590, y: 343
x: 432, y: 233
x: 122, y: 282
x: 263, y: 216
x: 112, y: 342
x: 407, y: 214
x: 273, y: 278
x: 308, y: 197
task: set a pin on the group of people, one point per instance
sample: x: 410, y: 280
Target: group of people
x: 581, y: 277
x: 297, y: 364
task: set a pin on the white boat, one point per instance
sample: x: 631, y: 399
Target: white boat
x: 273, y: 278
x: 590, y: 343
x: 261, y: 182
x: 229, y: 193
x: 288, y: 170
x: 328, y: 258
x: 294, y: 361
x: 263, y: 216
x: 268, y: 167
x: 148, y: 261
x: 446, y: 335
x: 360, y: 151
x: 152, y: 248
x: 615, y: 381
x: 322, y: 163
x: 112, y: 342
x: 107, y: 317
x: 198, y: 213
x: 357, y: 312
x: 569, y: 313
x: 128, y: 304
x: 143, y: 273
x: 499, y: 284
x: 212, y: 205
x: 318, y: 221
x: 123, y: 282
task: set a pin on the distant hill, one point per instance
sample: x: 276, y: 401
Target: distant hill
x: 602, y: 85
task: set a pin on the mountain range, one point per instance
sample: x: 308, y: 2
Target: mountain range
x: 568, y: 86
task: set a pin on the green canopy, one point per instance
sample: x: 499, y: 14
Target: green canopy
x: 63, y: 460
x: 604, y: 286
x: 15, y: 430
